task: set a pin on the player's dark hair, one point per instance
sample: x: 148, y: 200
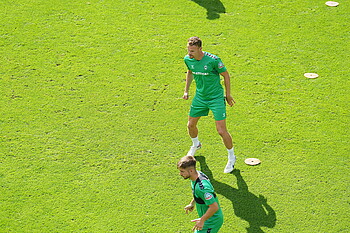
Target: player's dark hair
x: 195, y: 41
x: 186, y: 162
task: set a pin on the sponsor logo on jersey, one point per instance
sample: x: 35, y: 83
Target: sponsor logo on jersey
x: 208, y: 196
x: 221, y: 65
x: 200, y: 73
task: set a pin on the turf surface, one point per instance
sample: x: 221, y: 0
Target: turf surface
x: 92, y: 120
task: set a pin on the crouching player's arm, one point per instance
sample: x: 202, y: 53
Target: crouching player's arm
x: 210, y: 212
x: 190, y: 207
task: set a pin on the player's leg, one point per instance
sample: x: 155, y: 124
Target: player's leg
x: 193, y: 132
x: 227, y: 139
x: 192, y: 126
x: 198, y: 109
x: 225, y: 135
x: 218, y: 107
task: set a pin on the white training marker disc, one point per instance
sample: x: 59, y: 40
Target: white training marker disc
x: 331, y: 3
x: 311, y: 75
x: 252, y: 161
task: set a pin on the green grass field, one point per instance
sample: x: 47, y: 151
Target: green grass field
x: 93, y: 124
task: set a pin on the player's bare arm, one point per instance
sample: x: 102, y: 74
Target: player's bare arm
x: 210, y: 212
x: 227, y: 84
x: 190, y: 207
x: 189, y: 79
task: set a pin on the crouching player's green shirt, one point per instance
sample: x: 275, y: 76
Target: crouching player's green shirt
x: 204, y: 195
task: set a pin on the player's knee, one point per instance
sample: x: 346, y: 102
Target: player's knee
x: 191, y: 125
x: 222, y: 132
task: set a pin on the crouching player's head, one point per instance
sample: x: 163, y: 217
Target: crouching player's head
x: 187, y: 166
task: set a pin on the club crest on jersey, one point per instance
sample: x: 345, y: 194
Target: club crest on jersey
x: 205, y: 67
x: 208, y: 196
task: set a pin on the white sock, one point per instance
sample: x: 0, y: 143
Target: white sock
x: 231, y: 155
x: 195, y: 141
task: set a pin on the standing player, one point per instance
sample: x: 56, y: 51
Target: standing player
x: 206, y: 69
x: 207, y: 204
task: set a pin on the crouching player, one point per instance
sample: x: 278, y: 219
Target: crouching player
x: 207, y: 204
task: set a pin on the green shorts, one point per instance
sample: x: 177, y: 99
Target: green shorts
x: 213, y: 224
x: 209, y: 230
x: 201, y: 107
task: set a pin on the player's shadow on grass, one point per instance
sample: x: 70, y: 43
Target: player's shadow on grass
x: 213, y: 7
x: 246, y: 205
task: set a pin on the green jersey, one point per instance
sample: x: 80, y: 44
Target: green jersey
x: 206, y: 73
x: 204, y: 195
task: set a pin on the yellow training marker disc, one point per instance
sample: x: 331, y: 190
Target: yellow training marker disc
x: 331, y: 3
x: 311, y: 75
x: 252, y: 161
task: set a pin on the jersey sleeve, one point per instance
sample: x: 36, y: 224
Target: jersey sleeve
x: 207, y: 195
x: 219, y: 65
x: 185, y: 60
